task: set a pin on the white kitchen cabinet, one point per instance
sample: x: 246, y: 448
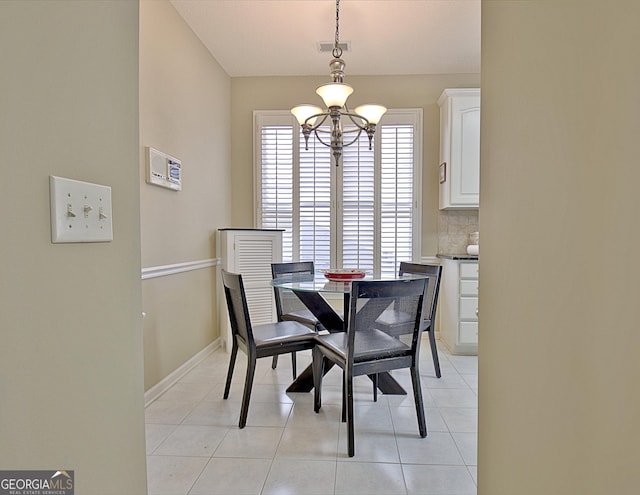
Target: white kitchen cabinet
x: 250, y: 253
x: 459, y: 148
x: 458, y: 303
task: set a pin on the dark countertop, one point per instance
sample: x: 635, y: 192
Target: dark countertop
x: 460, y: 257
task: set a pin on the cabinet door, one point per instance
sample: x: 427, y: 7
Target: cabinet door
x: 468, y: 308
x: 253, y: 255
x: 469, y: 270
x: 468, y: 333
x: 465, y: 151
x: 459, y: 148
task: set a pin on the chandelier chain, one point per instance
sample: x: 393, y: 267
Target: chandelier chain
x: 337, y: 51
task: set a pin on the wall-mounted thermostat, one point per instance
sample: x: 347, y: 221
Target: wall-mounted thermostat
x: 163, y: 170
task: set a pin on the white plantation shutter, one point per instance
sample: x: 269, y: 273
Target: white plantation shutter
x: 315, y: 203
x: 364, y: 213
x: 396, y: 196
x: 358, y: 208
x: 276, y: 199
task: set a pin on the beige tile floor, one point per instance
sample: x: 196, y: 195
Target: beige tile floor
x: 195, y: 447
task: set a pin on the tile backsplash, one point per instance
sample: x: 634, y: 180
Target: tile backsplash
x: 454, y: 227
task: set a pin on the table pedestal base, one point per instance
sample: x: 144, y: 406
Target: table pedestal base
x: 304, y: 382
x: 334, y: 323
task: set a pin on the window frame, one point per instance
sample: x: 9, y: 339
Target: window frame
x: 412, y: 116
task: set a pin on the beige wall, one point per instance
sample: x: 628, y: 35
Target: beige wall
x: 184, y: 112
x: 559, y: 340
x: 71, y: 385
x: 282, y: 93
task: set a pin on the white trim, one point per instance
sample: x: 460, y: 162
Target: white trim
x: 163, y: 385
x: 161, y: 271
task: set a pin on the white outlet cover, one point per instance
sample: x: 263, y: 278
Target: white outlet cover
x: 80, y: 211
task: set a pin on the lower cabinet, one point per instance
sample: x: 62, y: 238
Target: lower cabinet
x: 250, y: 253
x: 458, y: 302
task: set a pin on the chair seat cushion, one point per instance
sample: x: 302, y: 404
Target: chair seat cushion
x: 282, y: 331
x: 398, y: 322
x: 369, y: 344
x: 394, y: 317
x: 303, y: 316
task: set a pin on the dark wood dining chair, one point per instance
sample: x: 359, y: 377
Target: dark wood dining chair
x: 265, y: 340
x: 366, y: 349
x: 396, y: 320
x: 288, y: 306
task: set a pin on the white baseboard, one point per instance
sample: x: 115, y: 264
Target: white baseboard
x: 163, y: 385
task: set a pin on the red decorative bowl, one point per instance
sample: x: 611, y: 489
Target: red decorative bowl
x: 344, y: 274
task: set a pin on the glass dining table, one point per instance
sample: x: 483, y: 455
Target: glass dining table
x: 310, y: 289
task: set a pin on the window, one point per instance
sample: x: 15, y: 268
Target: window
x: 365, y: 213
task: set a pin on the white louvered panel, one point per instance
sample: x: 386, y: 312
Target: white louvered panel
x: 259, y: 300
x: 358, y: 205
x: 253, y: 259
x: 276, y: 209
x: 253, y: 262
x: 250, y: 253
x: 315, y: 203
x: 397, y: 198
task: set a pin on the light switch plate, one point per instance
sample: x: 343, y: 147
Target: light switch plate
x: 80, y: 211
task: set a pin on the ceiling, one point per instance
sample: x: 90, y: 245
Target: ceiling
x: 281, y: 37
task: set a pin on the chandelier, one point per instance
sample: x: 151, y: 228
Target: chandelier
x: 312, y: 119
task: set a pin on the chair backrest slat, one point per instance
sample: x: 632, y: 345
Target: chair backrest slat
x: 237, y: 305
x: 286, y: 301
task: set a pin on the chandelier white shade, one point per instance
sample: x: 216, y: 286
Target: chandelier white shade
x: 334, y: 95
x: 373, y: 113
x: 306, y: 113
